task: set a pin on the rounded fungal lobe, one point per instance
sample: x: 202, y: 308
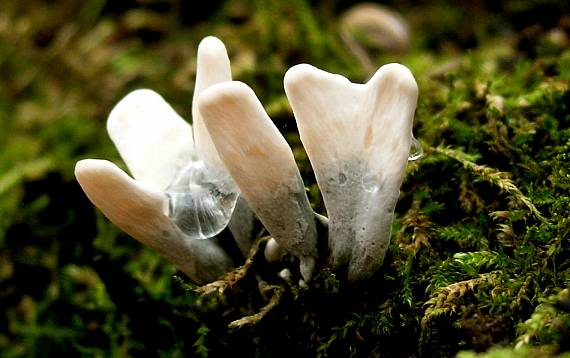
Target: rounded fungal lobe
x: 153, y: 140
x: 358, y: 139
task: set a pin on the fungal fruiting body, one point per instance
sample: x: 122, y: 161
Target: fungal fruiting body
x: 140, y: 211
x: 262, y: 164
x: 181, y: 192
x: 358, y: 138
x: 187, y: 183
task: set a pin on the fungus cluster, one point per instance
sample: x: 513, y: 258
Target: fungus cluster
x: 233, y: 164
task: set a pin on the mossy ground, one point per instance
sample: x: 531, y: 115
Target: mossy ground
x: 479, y: 259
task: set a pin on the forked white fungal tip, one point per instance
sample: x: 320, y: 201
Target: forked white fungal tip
x: 358, y: 139
x: 297, y: 74
x: 304, y: 74
x: 397, y: 74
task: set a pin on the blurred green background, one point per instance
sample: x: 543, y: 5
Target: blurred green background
x: 480, y: 242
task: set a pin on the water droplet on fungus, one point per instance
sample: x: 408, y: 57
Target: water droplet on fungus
x: 201, y: 202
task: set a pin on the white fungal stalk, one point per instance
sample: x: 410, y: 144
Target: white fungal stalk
x: 180, y: 193
x: 203, y: 195
x: 140, y: 211
x: 262, y: 164
x: 358, y: 139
